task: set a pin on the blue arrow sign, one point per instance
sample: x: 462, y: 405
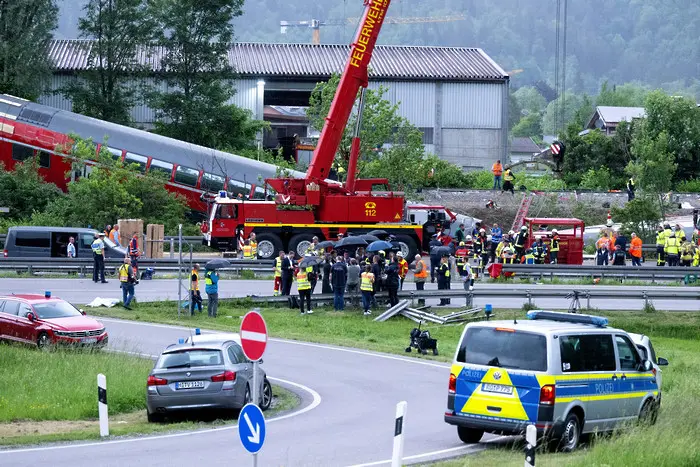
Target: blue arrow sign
x: 251, y: 428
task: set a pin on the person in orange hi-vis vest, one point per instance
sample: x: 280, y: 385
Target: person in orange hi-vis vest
x: 497, y: 170
x: 636, y: 250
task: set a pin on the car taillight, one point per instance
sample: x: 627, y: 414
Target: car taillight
x: 453, y: 384
x: 4, y: 253
x: 547, y: 394
x: 225, y: 376
x: 156, y: 381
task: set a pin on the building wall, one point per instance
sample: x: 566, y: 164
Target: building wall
x: 462, y: 122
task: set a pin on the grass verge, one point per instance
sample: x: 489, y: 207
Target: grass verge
x: 51, y: 396
x: 672, y: 441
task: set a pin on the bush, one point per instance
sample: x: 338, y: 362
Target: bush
x: 597, y: 179
x: 641, y: 215
x: 479, y: 180
x: 24, y: 191
x: 689, y: 186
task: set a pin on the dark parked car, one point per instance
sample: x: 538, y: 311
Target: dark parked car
x: 52, y: 242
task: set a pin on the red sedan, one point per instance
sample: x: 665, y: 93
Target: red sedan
x: 42, y: 321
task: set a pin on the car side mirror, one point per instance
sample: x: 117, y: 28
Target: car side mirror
x: 662, y: 361
x: 82, y: 312
x: 646, y: 365
x: 31, y: 317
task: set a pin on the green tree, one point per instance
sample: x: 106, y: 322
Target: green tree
x: 25, y: 32
x: 529, y: 125
x: 572, y: 104
x: 196, y: 38
x: 24, y: 191
x: 116, y: 28
x: 114, y: 191
x: 626, y: 95
x: 531, y: 101
x: 653, y: 165
x: 641, y: 215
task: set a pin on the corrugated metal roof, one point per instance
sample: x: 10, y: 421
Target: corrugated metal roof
x: 619, y: 114
x: 392, y: 62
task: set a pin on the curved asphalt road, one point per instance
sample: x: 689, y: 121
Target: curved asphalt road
x: 349, y: 416
x: 84, y: 291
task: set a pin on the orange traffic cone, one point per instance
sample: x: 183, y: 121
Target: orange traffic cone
x: 609, y: 222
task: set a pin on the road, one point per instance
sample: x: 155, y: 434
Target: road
x: 84, y: 291
x: 347, y: 414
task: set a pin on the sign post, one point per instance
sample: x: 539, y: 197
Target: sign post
x: 251, y: 422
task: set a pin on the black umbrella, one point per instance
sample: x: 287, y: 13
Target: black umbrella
x: 310, y: 260
x: 369, y: 238
x: 217, y: 264
x: 441, y: 251
x: 350, y: 242
x: 325, y: 244
x: 381, y: 234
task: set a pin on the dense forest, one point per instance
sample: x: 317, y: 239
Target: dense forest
x: 653, y: 42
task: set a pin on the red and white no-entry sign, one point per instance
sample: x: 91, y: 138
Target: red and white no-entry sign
x: 253, y: 335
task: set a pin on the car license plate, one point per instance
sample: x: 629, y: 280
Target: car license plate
x: 497, y: 388
x: 189, y: 385
x: 89, y: 340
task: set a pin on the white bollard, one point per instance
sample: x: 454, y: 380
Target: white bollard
x: 531, y: 439
x: 102, y: 404
x: 397, y: 454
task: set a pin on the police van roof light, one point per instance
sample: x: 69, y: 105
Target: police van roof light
x: 567, y: 317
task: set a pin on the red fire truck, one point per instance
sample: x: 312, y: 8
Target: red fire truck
x: 315, y: 206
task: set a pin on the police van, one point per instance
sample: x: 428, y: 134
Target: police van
x: 567, y: 374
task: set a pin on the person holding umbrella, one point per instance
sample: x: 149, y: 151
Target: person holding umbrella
x: 326, y: 280
x: 434, y: 257
x: 304, y: 288
x: 392, y: 280
x: 211, y: 281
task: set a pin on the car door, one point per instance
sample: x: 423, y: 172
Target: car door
x: 243, y: 369
x: 8, y: 319
x: 631, y: 382
x: 25, y: 329
x: 4, y: 321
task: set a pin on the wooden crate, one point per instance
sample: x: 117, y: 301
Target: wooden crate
x: 127, y: 228
x: 155, y: 234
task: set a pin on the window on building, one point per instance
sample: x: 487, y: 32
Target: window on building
x: 587, y: 352
x: 44, y: 159
x: 186, y: 175
x: 137, y: 159
x: 427, y: 135
x: 21, y: 153
x: 160, y: 167
x: 212, y: 183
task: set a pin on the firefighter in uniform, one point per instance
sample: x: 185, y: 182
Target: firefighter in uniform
x: 672, y: 249
x: 539, y: 251
x: 247, y: 250
x: 687, y: 252
x: 253, y: 246
x: 444, y: 279
x: 278, y: 274
x: 304, y: 288
x: 134, y: 251
x: 461, y: 257
x: 367, y: 287
x: 508, y: 253
x: 528, y: 257
x: 554, y: 247
x: 520, y: 242
x: 660, y: 243
x: 403, y: 269
x: 195, y: 294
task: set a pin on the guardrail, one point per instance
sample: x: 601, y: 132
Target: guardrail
x: 529, y: 294
x: 624, y: 272
x: 84, y: 266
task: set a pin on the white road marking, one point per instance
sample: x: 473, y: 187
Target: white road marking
x: 315, y: 403
x: 253, y: 336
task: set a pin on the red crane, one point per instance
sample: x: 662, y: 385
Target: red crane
x: 354, y: 201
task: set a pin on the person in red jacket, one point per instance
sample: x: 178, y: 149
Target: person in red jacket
x: 403, y: 269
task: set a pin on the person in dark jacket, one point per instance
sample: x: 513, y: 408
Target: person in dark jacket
x: 434, y: 257
x: 618, y: 256
x: 339, y: 278
x: 326, y: 281
x: 444, y: 278
x: 377, y: 271
x: 287, y: 273
x: 392, y: 280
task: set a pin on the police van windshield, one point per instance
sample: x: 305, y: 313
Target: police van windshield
x: 504, y: 348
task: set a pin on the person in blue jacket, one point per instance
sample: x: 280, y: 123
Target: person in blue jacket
x: 211, y: 280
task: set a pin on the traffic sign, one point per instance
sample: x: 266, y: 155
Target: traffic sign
x: 253, y: 335
x: 555, y: 148
x: 251, y: 428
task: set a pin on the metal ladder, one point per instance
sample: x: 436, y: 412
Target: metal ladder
x: 522, y: 211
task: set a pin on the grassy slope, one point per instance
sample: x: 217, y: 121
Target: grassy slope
x: 672, y: 441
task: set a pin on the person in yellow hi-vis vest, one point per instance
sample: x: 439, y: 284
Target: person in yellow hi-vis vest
x: 195, y: 294
x: 247, y: 250
x: 672, y: 248
x: 253, y: 246
x: 367, y: 287
x: 304, y: 288
x: 127, y: 280
x: 444, y: 278
x: 278, y: 274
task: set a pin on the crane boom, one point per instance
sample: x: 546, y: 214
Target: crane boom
x: 354, y: 77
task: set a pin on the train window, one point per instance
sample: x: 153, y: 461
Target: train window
x: 21, y: 153
x: 237, y: 188
x: 132, y: 158
x: 116, y: 154
x: 212, y: 183
x: 160, y: 167
x: 44, y: 159
x: 186, y: 175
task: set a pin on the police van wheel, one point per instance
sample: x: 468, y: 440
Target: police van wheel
x: 469, y: 435
x: 269, y: 245
x: 572, y: 434
x: 649, y: 412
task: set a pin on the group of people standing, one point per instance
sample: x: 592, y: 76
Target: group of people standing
x: 211, y: 282
x: 673, y: 248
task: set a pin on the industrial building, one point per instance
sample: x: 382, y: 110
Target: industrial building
x: 458, y: 97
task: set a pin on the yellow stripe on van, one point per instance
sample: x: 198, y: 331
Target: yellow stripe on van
x: 489, y: 403
x: 603, y: 397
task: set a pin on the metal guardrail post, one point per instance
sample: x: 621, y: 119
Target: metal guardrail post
x: 30, y: 271
x: 646, y: 299
x: 588, y: 299
x: 529, y: 297
x: 172, y: 248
